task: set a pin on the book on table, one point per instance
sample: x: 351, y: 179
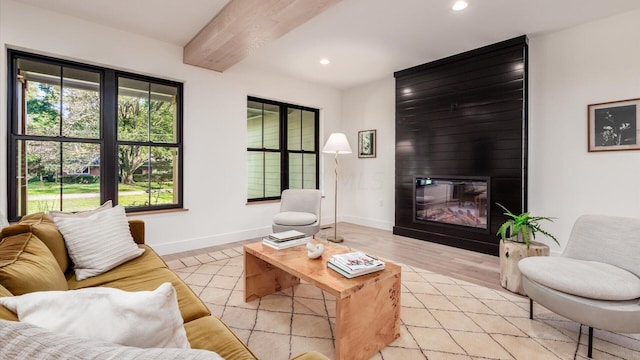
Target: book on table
x: 355, y: 264
x: 286, y: 235
x: 279, y: 245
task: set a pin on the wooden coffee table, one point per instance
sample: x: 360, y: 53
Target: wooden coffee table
x: 367, y: 307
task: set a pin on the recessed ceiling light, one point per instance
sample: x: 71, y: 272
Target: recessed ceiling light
x: 324, y: 61
x: 460, y: 5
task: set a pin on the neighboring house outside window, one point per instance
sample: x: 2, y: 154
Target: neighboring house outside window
x: 282, y: 148
x: 80, y: 135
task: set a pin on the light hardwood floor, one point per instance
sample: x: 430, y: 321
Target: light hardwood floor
x: 462, y: 264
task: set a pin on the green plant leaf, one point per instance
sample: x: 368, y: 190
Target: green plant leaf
x: 524, y: 224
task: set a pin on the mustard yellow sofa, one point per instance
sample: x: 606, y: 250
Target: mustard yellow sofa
x: 145, y: 272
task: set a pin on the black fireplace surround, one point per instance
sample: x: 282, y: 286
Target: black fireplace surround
x: 461, y: 146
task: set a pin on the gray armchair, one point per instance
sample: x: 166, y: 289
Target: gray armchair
x: 596, y: 281
x: 299, y: 210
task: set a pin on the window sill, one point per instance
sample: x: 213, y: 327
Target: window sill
x: 153, y: 212
x: 262, y: 202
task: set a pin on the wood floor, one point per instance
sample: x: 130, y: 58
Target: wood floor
x: 466, y: 265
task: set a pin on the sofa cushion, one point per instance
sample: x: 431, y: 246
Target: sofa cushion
x: 6, y: 314
x: 149, y: 260
x: 26, y: 264
x: 25, y: 341
x: 226, y: 344
x: 191, y: 307
x: 46, y: 230
x: 144, y: 319
x: 589, y: 279
x: 294, y: 218
x: 99, y: 242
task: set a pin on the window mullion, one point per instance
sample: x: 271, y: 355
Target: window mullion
x: 108, y: 145
x: 264, y: 157
x: 302, y: 155
x: 60, y: 176
x: 284, y: 148
x: 60, y: 102
x: 60, y: 171
x: 149, y: 169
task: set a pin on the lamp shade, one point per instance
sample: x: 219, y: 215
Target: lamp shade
x: 337, y: 144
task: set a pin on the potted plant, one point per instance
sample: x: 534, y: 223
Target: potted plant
x: 520, y: 228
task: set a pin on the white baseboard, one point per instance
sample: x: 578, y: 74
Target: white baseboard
x: 378, y: 224
x: 203, y: 242
x: 221, y: 239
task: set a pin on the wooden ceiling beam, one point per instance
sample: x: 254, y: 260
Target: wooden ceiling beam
x: 243, y: 26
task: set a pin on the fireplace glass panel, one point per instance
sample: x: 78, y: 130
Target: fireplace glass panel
x: 452, y: 201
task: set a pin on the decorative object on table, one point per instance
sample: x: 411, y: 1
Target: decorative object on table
x: 516, y: 234
x: 314, y: 251
x: 284, y: 244
x: 336, y: 144
x: 355, y: 264
x: 367, y: 144
x: 286, y: 235
x: 614, y: 125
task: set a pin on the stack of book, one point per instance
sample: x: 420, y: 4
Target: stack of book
x: 285, y: 239
x: 354, y: 264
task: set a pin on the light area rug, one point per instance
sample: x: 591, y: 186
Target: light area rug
x: 441, y: 318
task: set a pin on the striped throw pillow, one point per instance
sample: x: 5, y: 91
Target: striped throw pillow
x: 99, y: 242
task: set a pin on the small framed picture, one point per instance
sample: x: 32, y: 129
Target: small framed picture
x: 614, y: 125
x: 367, y: 144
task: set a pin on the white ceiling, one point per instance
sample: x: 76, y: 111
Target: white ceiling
x: 365, y: 40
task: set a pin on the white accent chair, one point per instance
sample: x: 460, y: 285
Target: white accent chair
x: 596, y: 280
x: 299, y: 210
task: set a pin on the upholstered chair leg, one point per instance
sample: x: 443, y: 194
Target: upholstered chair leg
x: 590, y: 348
x: 531, y: 308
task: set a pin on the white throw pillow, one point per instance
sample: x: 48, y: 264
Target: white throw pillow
x: 99, y: 242
x: 3, y: 221
x: 55, y: 213
x: 143, y: 319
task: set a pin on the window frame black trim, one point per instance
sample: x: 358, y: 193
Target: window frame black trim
x: 108, y: 129
x: 284, y: 159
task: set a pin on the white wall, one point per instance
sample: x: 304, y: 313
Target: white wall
x: 214, y: 120
x: 568, y: 69
x: 592, y: 63
x: 367, y: 187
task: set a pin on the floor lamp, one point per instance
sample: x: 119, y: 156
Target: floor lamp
x: 337, y: 144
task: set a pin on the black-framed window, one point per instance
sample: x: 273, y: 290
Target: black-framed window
x: 282, y: 148
x: 80, y: 135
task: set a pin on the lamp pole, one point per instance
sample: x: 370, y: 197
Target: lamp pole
x: 335, y: 206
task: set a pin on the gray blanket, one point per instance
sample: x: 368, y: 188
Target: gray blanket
x: 24, y: 341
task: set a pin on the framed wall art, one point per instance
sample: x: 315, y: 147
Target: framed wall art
x: 614, y: 125
x: 367, y: 144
